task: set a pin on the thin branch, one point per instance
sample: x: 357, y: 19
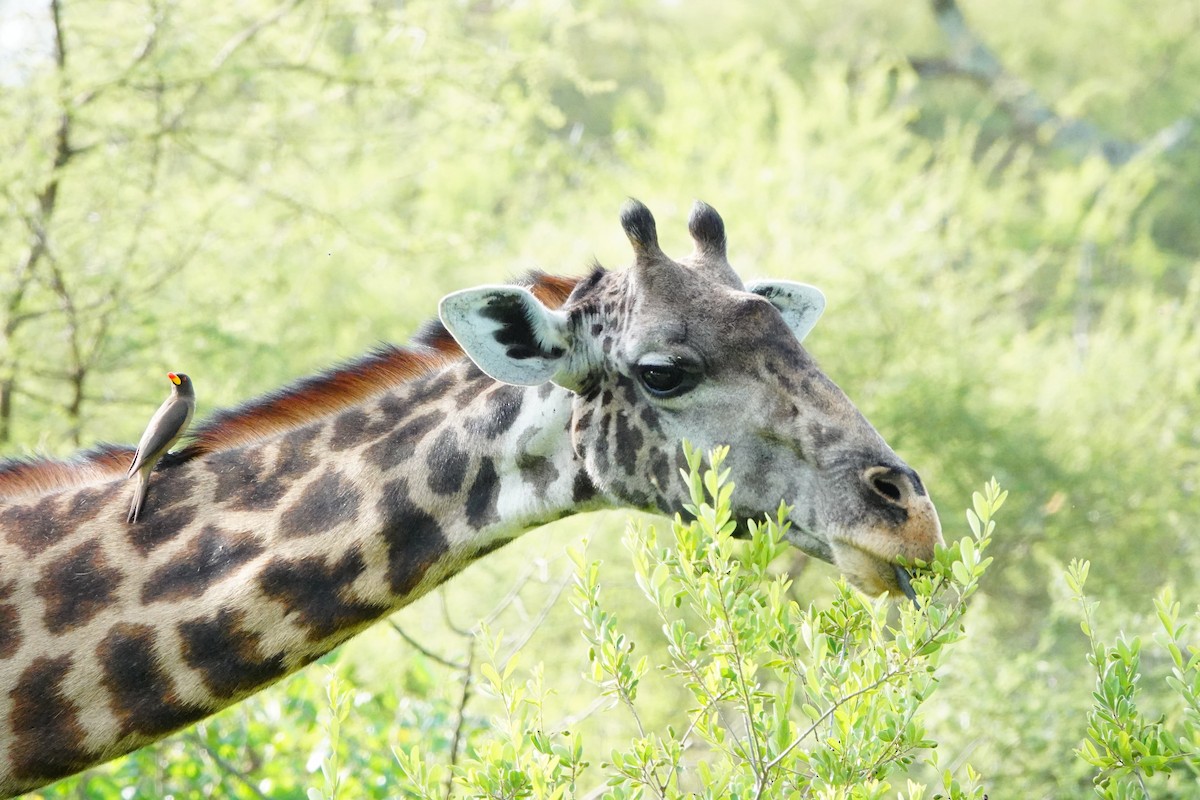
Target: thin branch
x: 829, y: 712
x: 47, y: 200
x: 512, y: 596
x: 247, y: 34
x: 285, y: 199
x: 519, y: 643
x: 144, y: 51
x: 231, y: 47
x: 447, y: 619
x: 971, y: 59
x: 226, y: 767
x: 456, y: 739
x: 427, y: 652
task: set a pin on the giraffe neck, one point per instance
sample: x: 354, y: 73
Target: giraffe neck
x: 252, y: 562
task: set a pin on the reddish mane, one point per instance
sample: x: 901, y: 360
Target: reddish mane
x: 301, y: 402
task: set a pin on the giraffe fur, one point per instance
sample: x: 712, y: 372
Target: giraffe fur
x: 293, y: 522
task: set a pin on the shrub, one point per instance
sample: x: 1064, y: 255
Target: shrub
x: 786, y: 700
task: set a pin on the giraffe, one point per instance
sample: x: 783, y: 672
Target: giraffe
x: 291, y: 523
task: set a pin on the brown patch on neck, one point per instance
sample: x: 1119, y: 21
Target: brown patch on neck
x: 26, y: 477
x: 337, y: 390
x: 304, y: 401
x: 311, y: 398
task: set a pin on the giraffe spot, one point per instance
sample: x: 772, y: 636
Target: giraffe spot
x: 157, y: 526
x: 233, y: 469
x: 35, y: 528
x: 503, y: 407
x: 629, y: 443
x: 582, y: 490
x: 76, y: 587
x: 167, y: 488
x: 242, y: 480
x: 483, y: 494
x: 637, y: 497
x: 629, y: 389
x: 325, y: 503
x: 447, y: 464
x: 487, y: 549
x: 430, y: 388
x: 227, y: 655
x: 474, y: 383
x: 415, y: 539
x: 438, y: 387
x: 142, y: 695
x: 210, y: 556
x: 315, y: 593
x: 349, y: 429
x: 395, y: 448
x: 681, y: 464
x: 661, y: 470
x: 649, y: 418
x: 538, y: 472
x: 10, y: 631
x: 824, y: 436
x: 295, y: 452
x: 780, y: 373
x: 87, y: 503
x: 354, y: 427
x: 47, y: 738
x: 392, y: 408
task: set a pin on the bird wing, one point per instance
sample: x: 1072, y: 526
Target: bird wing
x: 165, y: 427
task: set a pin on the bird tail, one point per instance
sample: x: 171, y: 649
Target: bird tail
x: 139, y: 498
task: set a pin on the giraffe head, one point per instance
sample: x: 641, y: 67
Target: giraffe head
x: 672, y: 350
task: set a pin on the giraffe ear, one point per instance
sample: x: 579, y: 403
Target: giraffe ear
x: 508, y: 333
x: 800, y: 304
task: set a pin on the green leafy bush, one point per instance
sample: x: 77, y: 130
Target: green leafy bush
x: 786, y: 700
x: 1128, y: 748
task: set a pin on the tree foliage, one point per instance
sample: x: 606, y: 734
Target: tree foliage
x: 249, y: 192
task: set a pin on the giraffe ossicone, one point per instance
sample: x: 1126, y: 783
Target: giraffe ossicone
x: 296, y: 520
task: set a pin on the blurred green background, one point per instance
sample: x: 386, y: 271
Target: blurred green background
x: 252, y: 191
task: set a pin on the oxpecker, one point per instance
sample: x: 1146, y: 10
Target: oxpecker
x: 165, y: 428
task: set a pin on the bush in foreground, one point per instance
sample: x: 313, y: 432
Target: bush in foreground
x: 786, y: 700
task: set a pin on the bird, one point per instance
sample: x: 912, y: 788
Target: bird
x: 165, y: 428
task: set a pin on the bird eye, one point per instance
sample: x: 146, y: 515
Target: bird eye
x: 667, y: 380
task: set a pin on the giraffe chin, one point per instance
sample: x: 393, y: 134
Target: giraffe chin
x: 870, y: 573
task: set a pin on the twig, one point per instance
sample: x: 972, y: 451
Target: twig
x: 143, y: 52
x: 226, y: 767
x: 971, y: 59
x: 456, y: 739
x: 539, y: 618
x: 512, y: 596
x: 426, y: 652
x: 447, y: 619
x: 285, y: 199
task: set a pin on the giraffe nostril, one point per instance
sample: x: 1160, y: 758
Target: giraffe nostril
x: 891, y: 484
x: 886, y: 488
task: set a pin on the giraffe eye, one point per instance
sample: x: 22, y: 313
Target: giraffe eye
x: 667, y: 380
